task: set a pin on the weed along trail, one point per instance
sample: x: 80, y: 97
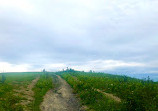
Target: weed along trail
x: 60, y: 99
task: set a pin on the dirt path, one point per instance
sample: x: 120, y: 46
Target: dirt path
x: 27, y: 93
x: 62, y: 99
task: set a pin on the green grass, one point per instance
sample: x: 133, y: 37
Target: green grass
x: 21, y: 76
x: 43, y: 85
x: 135, y: 94
x: 90, y: 97
x: 8, y: 100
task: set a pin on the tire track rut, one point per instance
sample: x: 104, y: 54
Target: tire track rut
x: 61, y: 99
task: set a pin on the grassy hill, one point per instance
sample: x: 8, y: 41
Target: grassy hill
x: 94, y: 90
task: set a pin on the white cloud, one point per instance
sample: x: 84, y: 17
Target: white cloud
x: 54, y: 33
x: 54, y: 67
x: 23, y: 6
x: 102, y: 65
x: 97, y: 65
x: 7, y: 67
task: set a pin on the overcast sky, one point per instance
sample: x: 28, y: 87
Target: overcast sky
x: 102, y: 35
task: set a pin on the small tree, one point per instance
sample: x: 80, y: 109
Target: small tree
x: 44, y: 70
x: 90, y: 71
x: 45, y: 73
x: 3, y: 78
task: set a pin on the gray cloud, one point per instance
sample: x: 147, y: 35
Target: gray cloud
x: 41, y: 33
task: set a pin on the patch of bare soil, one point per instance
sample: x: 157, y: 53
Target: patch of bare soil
x: 111, y: 96
x: 61, y: 99
x: 27, y: 94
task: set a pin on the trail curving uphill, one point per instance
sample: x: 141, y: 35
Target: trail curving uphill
x: 61, y: 99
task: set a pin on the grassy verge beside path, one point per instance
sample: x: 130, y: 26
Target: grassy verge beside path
x: 43, y: 85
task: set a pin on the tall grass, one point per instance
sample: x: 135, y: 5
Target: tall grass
x: 43, y: 85
x: 9, y: 101
x: 90, y: 97
x: 135, y: 94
